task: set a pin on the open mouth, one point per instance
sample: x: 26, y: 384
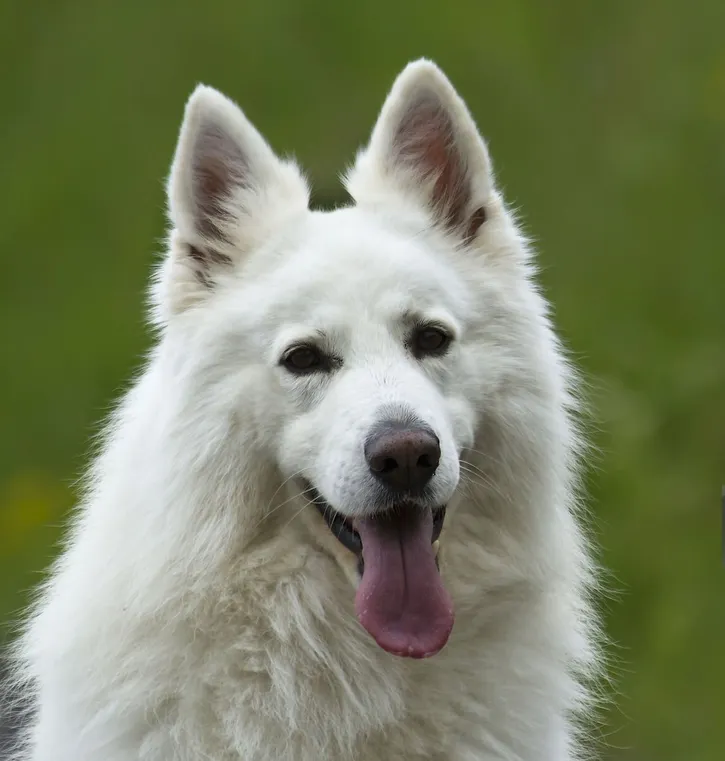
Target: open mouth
x: 343, y: 528
x: 401, y: 600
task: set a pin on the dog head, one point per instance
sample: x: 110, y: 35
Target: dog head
x: 357, y: 347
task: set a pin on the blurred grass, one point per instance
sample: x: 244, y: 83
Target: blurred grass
x: 606, y: 123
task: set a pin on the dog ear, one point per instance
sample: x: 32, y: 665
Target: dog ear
x: 425, y: 147
x: 227, y: 191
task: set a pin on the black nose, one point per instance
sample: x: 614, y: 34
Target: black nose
x: 404, y: 459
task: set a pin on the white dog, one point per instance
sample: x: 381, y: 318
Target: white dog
x: 351, y: 449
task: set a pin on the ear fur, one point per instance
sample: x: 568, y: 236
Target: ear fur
x: 425, y: 148
x: 227, y: 191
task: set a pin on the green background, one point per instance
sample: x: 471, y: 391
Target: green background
x: 606, y: 122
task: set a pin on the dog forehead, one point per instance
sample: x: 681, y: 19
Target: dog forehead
x: 349, y: 257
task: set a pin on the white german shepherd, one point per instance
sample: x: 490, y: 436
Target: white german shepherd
x: 351, y: 449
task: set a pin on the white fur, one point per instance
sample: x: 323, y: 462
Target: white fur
x: 201, y: 609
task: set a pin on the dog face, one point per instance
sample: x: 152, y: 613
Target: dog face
x: 357, y: 346
x: 369, y: 359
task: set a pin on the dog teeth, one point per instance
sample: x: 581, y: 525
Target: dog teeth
x: 436, y: 547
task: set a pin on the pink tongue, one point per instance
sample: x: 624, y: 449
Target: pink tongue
x: 401, y: 599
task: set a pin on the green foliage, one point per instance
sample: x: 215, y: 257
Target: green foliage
x: 605, y: 121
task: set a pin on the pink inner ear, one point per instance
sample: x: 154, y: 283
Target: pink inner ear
x: 218, y: 167
x: 425, y: 141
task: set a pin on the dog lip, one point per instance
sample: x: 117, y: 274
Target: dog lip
x: 341, y: 526
x: 439, y: 515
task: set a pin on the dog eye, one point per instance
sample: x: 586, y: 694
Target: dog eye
x: 430, y: 341
x: 303, y: 359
